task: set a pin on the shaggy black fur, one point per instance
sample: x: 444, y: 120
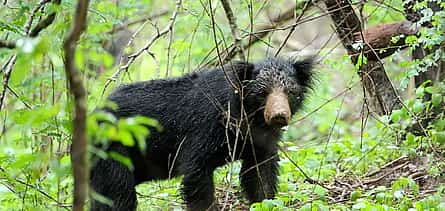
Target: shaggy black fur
x: 193, y: 111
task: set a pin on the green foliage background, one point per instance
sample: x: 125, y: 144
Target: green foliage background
x: 328, y: 139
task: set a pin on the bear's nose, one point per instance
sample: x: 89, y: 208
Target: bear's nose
x: 280, y: 119
x: 276, y: 108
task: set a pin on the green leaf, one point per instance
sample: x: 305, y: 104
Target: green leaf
x: 439, y: 137
x: 420, y: 92
x: 380, y: 197
x: 21, y: 69
x: 126, y: 138
x: 355, y: 195
x: 418, y: 106
x: 37, y: 116
x: 100, y: 198
x: 10, y: 27
x: 361, y: 60
x: 142, y: 120
x: 436, y: 99
x: 396, y: 115
x: 122, y: 159
x: 27, y: 45
x: 410, y: 139
x: 412, y: 39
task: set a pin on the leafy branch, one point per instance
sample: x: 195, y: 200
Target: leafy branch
x: 9, y: 65
x: 40, y: 26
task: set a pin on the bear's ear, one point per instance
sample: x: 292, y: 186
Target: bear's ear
x: 303, y: 71
x: 243, y: 70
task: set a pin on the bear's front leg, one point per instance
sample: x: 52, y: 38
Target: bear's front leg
x: 115, y: 181
x: 198, y: 190
x: 258, y: 176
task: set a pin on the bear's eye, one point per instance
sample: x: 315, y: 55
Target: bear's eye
x: 292, y: 92
x: 296, y: 92
x: 263, y: 92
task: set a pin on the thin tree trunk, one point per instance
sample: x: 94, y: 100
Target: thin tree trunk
x: 433, y: 73
x: 79, y: 144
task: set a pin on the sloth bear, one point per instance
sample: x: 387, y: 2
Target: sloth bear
x: 209, y: 118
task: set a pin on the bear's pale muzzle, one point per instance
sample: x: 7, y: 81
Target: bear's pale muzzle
x: 277, y: 111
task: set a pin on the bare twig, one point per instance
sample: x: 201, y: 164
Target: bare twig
x: 12, y: 59
x: 131, y: 58
x: 30, y: 186
x: 375, y: 180
x: 125, y: 25
x: 170, y: 169
x: 305, y: 7
x: 7, y: 44
x: 7, y: 74
x: 391, y: 163
x: 79, y: 143
x: 27, y: 105
x: 28, y: 23
x: 169, y: 47
x: 234, y: 29
x: 306, y: 176
x: 229, y: 52
x: 44, y: 23
x: 275, y: 22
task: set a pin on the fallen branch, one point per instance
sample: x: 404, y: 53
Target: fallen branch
x: 402, y: 167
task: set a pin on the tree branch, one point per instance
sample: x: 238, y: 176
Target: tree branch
x: 275, y: 22
x: 7, y: 44
x: 262, y: 31
x: 79, y: 143
x: 42, y: 24
x: 379, y: 38
x: 131, y: 58
x: 234, y: 29
x: 9, y: 65
x: 28, y: 23
x: 380, y: 95
x: 127, y: 24
x: 292, y: 29
x: 7, y: 75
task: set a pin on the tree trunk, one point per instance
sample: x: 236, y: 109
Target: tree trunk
x: 380, y: 95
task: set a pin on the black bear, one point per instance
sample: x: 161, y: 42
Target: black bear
x: 209, y: 118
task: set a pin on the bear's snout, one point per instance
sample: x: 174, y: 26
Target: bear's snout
x: 277, y: 110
